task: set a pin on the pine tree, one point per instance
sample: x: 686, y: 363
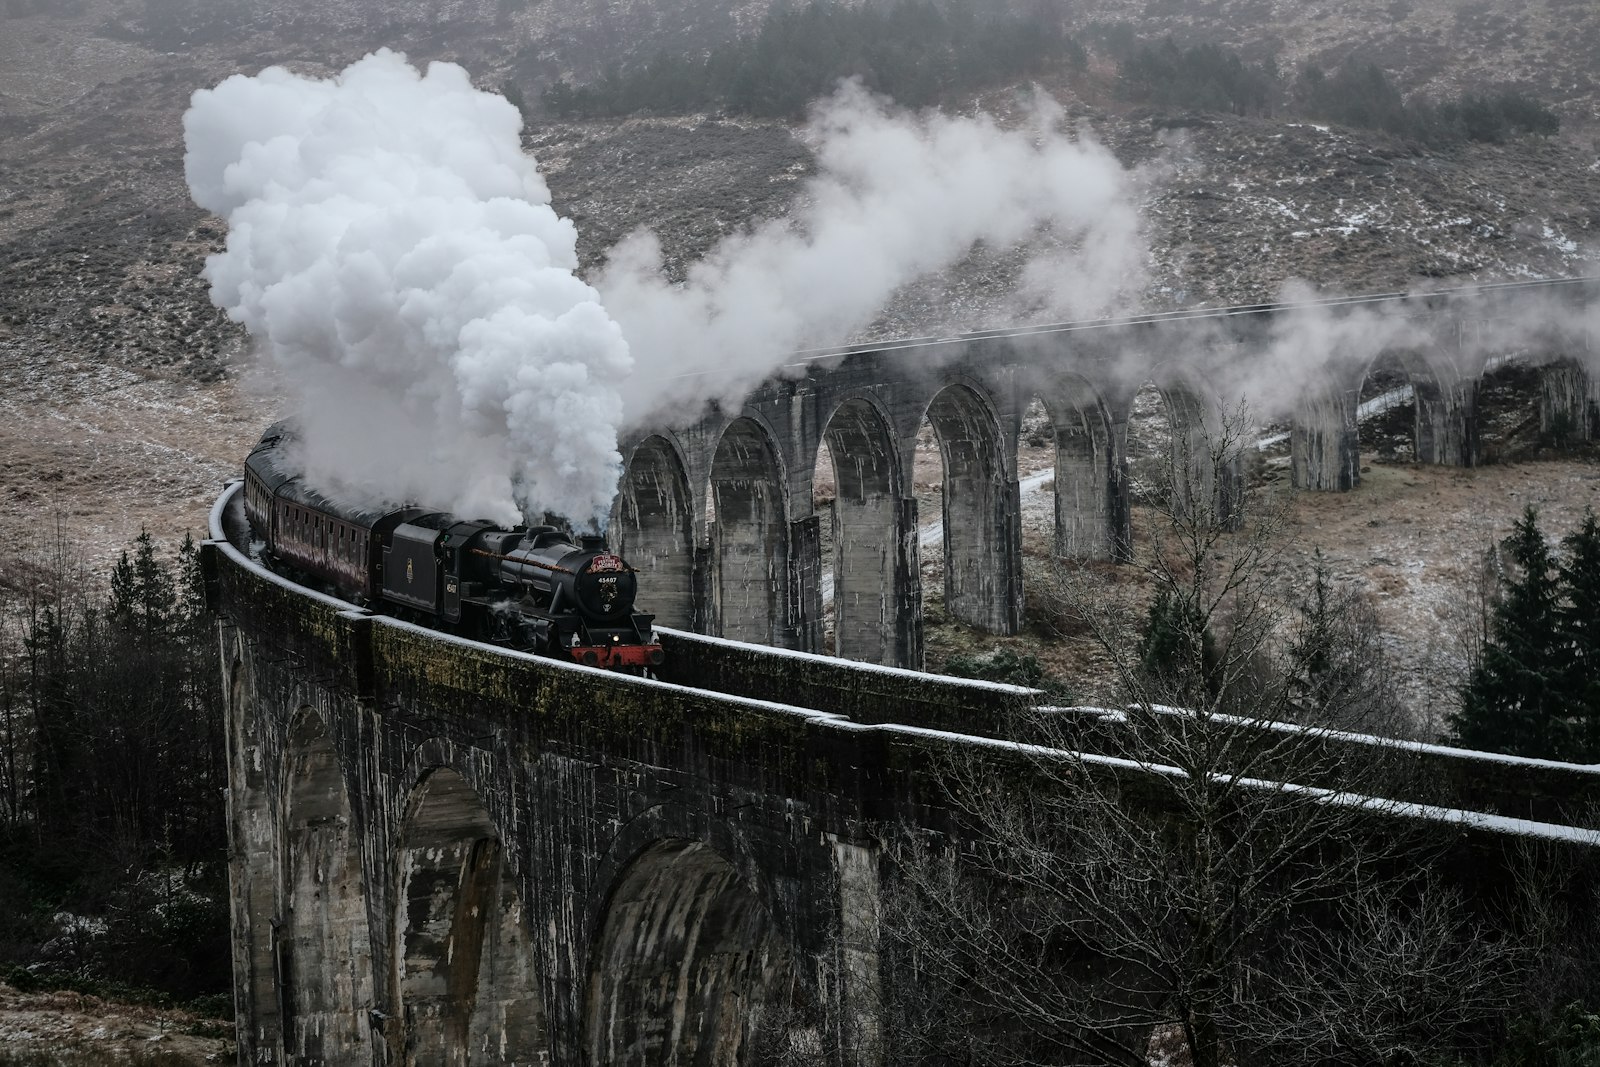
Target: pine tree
x: 1311, y: 652
x: 1177, y: 651
x: 1334, y: 666
x: 143, y: 598
x: 1578, y: 625
x: 190, y: 599
x: 1514, y: 701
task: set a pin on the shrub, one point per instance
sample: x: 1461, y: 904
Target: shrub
x: 1203, y: 76
x: 1360, y: 94
x: 912, y: 50
x: 1007, y: 666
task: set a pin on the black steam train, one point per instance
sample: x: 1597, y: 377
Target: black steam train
x: 529, y: 588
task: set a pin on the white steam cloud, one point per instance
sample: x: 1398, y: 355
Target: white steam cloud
x: 896, y: 197
x: 393, y: 253
x: 1312, y: 347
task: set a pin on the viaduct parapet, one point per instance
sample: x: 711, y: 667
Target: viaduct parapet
x: 443, y: 852
x: 720, y: 516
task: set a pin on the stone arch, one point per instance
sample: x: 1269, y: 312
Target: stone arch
x: 689, y: 968
x: 982, y: 536
x: 1086, y: 525
x: 252, y: 870
x: 749, y: 537
x: 655, y: 529
x: 324, y: 944
x: 1444, y: 426
x: 465, y: 983
x: 869, y: 533
x: 1190, y: 470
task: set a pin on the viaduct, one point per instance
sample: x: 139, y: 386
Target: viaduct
x: 755, y: 572
x: 449, y: 853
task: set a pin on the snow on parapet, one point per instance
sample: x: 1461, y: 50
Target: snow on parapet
x: 1376, y: 741
x: 837, y: 663
x: 1459, y: 818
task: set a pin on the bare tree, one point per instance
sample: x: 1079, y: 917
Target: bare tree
x: 1212, y: 874
x: 12, y: 758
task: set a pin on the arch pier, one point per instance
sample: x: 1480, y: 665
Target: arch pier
x: 720, y: 513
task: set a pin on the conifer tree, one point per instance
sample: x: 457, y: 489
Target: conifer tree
x: 1334, y: 666
x: 1578, y: 625
x: 1311, y: 652
x: 1514, y: 701
x: 142, y: 594
x: 1177, y: 650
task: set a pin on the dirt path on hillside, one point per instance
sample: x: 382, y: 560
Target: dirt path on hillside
x: 72, y: 1030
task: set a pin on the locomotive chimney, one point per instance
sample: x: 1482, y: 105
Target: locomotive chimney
x: 592, y: 543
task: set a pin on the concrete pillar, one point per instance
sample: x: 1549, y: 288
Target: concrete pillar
x: 1192, y: 473
x: 324, y: 938
x: 1119, y: 498
x: 1324, y: 448
x: 750, y: 581
x: 983, y: 554
x: 860, y: 1009
x: 803, y: 625
x: 1446, y: 423
x: 982, y: 516
x: 466, y: 985
x: 654, y: 531
x: 751, y: 562
x: 865, y: 512
x: 705, y: 598
x: 1011, y: 559
x: 908, y: 646
x: 252, y: 879
x: 1084, y: 487
x: 1229, y: 490
x: 1567, y: 404
x: 864, y: 565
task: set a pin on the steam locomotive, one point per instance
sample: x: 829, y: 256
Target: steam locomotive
x: 529, y: 588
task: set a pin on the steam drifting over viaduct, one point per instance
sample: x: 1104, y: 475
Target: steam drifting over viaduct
x: 755, y: 570
x: 448, y: 853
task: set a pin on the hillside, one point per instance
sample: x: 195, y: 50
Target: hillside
x: 126, y: 399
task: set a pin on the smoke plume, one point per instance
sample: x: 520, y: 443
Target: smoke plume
x: 393, y: 253
x: 1313, y: 347
x: 896, y: 196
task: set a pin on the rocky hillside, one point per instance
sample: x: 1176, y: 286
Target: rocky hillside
x: 125, y: 397
x: 126, y: 400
